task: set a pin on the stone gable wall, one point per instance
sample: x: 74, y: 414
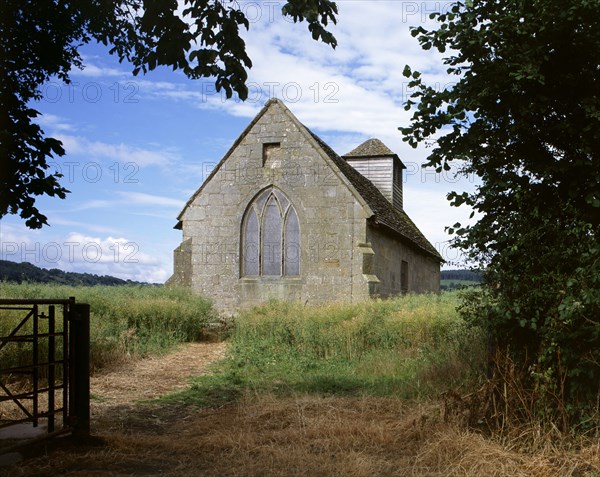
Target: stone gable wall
x: 332, y: 222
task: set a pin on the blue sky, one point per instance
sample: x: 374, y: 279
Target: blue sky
x: 138, y: 147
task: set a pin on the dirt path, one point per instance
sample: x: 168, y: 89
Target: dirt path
x: 117, y: 394
x: 120, y: 410
x: 153, y: 377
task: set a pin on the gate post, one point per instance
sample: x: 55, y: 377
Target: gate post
x: 80, y: 369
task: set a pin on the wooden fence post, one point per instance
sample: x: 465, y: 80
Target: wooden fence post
x: 80, y: 369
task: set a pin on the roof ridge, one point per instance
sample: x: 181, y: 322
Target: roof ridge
x: 384, y: 212
x: 373, y: 147
x: 226, y: 156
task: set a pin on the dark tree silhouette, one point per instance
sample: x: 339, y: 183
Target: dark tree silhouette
x: 41, y: 39
x: 524, y: 116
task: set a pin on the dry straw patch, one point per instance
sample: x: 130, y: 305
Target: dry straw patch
x: 455, y: 453
x: 155, y: 376
x: 308, y: 436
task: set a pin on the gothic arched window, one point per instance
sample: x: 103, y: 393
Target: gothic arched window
x: 270, y: 236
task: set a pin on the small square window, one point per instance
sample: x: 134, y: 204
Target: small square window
x: 271, y: 155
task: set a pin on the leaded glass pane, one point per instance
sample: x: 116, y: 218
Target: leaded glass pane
x: 292, y: 244
x: 282, y: 200
x: 271, y: 247
x: 251, y: 244
x: 261, y: 199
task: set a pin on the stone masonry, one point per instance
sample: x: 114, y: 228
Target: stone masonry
x: 344, y: 255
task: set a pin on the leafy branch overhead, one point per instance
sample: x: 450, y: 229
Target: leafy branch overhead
x: 524, y: 116
x: 526, y: 102
x: 41, y: 40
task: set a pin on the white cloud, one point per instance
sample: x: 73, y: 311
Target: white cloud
x: 56, y: 219
x: 431, y: 212
x: 92, y: 70
x: 95, y: 204
x: 78, y: 252
x: 54, y: 122
x: 357, y: 89
x: 126, y: 200
x: 76, y: 145
x: 151, y: 199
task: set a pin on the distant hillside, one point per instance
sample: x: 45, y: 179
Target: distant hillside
x: 453, y: 279
x: 468, y: 275
x: 27, y: 272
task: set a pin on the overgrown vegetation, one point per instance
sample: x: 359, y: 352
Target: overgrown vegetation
x: 410, y: 347
x: 330, y: 390
x: 523, y: 116
x: 125, y: 321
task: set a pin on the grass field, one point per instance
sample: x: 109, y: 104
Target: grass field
x: 354, y: 390
x: 453, y: 282
x: 411, y: 347
x: 125, y: 321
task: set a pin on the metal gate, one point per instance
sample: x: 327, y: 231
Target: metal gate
x: 44, y: 367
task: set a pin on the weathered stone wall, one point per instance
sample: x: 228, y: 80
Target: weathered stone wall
x: 332, y: 221
x: 390, y: 251
x: 182, y: 265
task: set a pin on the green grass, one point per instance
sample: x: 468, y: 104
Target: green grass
x: 125, y: 320
x: 412, y: 346
x: 459, y: 282
x: 451, y: 285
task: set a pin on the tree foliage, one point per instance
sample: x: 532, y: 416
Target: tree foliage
x: 524, y: 115
x: 41, y: 39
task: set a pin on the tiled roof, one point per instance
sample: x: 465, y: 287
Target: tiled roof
x: 371, y: 148
x: 385, y: 213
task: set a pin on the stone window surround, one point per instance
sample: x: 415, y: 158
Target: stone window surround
x: 288, y: 226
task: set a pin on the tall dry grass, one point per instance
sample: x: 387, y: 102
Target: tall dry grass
x: 125, y: 321
x: 305, y: 435
x: 412, y: 346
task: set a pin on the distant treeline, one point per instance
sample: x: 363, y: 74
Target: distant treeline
x: 467, y: 275
x: 27, y: 272
x: 456, y: 279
